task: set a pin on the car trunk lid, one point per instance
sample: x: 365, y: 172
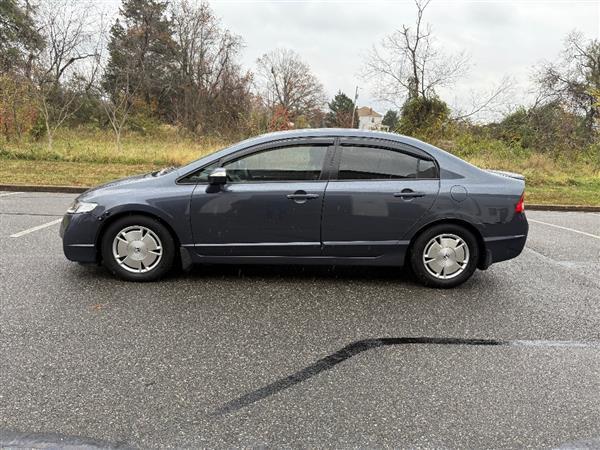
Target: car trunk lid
x: 516, y: 176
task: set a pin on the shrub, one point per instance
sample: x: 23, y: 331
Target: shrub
x: 420, y: 114
x: 18, y: 107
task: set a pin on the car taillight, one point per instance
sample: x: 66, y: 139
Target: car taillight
x: 521, y: 205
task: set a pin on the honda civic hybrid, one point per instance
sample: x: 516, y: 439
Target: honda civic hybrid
x: 315, y: 196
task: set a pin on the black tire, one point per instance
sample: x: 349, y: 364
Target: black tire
x: 417, y: 250
x: 167, y: 245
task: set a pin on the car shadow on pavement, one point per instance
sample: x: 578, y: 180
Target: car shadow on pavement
x: 229, y: 272
x: 266, y: 271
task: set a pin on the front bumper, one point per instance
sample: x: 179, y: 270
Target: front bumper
x: 79, y: 233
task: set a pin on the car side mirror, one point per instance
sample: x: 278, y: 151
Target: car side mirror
x: 218, y: 176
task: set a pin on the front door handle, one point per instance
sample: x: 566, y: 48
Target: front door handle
x: 302, y: 196
x: 409, y: 193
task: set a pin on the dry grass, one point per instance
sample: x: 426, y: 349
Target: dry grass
x: 87, y: 157
x: 60, y: 173
x: 165, y: 146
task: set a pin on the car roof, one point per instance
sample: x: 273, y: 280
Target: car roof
x: 302, y: 132
x: 336, y: 132
x: 340, y: 132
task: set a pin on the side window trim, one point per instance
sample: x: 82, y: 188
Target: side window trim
x: 349, y: 142
x: 330, y: 167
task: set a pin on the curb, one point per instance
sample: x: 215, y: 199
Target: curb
x: 79, y: 189
x: 579, y: 208
x: 42, y: 188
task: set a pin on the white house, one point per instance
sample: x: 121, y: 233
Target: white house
x: 369, y: 119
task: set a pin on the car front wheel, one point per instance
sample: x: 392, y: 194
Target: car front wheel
x: 444, y: 256
x: 138, y: 248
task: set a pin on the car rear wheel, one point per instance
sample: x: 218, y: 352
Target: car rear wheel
x: 138, y: 248
x: 444, y: 256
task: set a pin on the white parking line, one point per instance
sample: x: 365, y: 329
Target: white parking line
x: 564, y: 228
x: 31, y: 230
x: 6, y: 194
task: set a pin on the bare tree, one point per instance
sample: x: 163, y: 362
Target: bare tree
x: 287, y: 82
x: 66, y: 67
x: 212, y: 90
x: 118, y: 104
x: 408, y: 65
x: 575, y: 80
x: 496, y: 101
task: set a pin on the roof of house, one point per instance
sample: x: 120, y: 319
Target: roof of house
x: 365, y: 111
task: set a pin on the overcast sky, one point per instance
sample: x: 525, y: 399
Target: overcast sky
x: 503, y: 38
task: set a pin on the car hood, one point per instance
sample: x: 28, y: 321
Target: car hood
x: 117, y: 183
x: 141, y: 181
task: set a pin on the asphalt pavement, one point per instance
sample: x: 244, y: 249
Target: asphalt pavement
x: 252, y: 356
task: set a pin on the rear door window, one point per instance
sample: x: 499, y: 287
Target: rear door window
x: 374, y: 163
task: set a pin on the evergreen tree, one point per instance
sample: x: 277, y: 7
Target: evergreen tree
x: 340, y: 112
x: 19, y: 37
x: 142, y: 53
x: 391, y: 120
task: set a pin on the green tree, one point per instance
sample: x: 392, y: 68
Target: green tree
x: 545, y: 128
x: 340, y: 112
x: 19, y: 38
x: 141, y: 54
x: 391, y: 120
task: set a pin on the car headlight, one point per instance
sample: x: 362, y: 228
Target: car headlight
x: 81, y: 207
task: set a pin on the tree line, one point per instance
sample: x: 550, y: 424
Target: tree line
x: 173, y: 62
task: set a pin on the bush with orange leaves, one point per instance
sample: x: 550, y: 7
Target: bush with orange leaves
x: 18, y: 107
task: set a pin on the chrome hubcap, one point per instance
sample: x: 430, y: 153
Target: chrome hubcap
x: 137, y: 249
x: 446, y: 256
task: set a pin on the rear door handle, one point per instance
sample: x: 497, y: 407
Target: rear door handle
x: 301, y: 196
x: 409, y: 193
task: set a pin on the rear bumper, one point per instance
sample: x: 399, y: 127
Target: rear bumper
x: 78, y: 232
x: 505, y: 247
x: 502, y: 248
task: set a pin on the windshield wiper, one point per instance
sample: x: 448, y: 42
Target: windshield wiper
x: 160, y: 172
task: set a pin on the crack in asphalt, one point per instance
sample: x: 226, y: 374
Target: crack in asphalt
x: 12, y: 439
x: 353, y: 349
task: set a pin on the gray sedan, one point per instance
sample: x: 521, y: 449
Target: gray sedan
x: 306, y: 197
